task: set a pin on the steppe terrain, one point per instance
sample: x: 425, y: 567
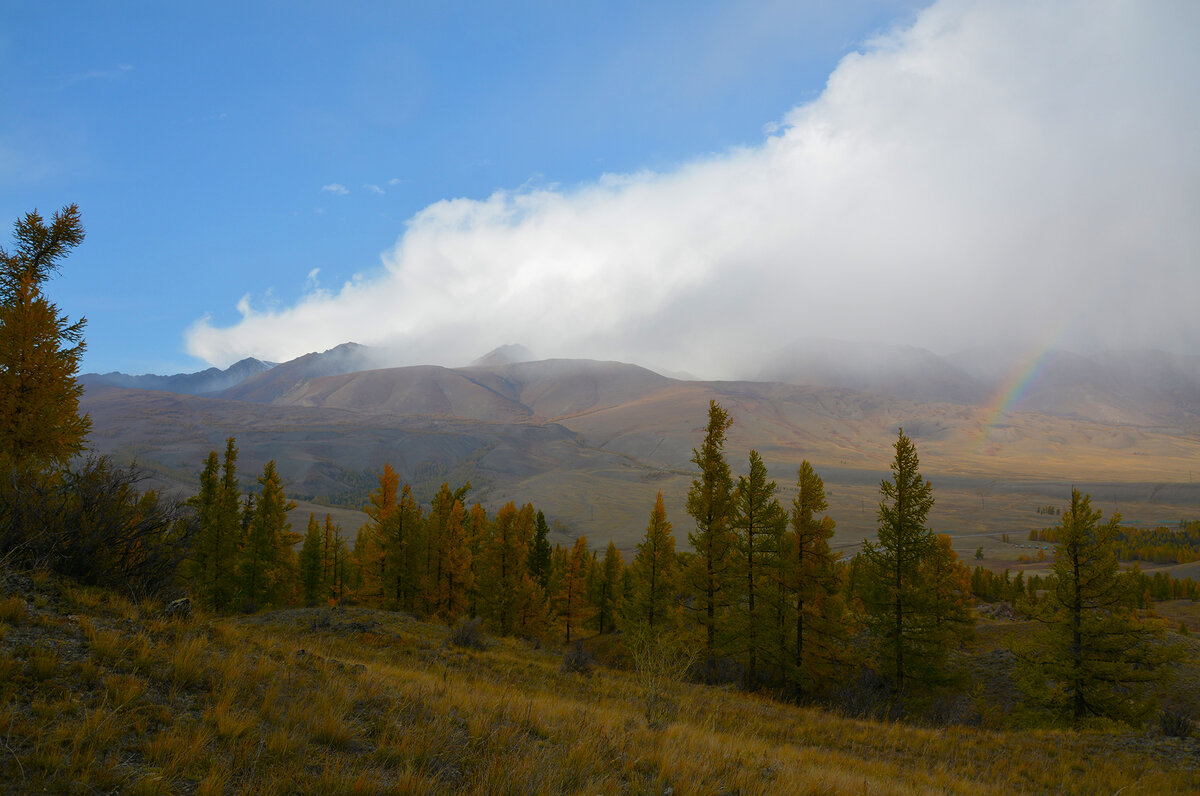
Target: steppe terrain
x: 591, y: 442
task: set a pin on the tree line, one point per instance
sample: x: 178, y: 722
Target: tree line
x: 760, y: 592
x: 1159, y: 545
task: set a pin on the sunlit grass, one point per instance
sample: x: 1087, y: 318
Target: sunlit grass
x: 276, y: 703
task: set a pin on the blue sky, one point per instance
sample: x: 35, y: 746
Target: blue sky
x: 275, y: 151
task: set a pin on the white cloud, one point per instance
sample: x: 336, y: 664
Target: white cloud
x: 98, y: 74
x: 337, y: 189
x: 375, y: 189
x: 998, y: 169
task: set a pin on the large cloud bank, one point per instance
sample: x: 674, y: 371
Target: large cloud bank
x: 1004, y: 170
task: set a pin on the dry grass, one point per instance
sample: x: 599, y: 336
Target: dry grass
x: 268, y: 704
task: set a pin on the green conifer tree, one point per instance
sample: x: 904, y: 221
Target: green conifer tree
x: 539, y: 551
x: 710, y: 503
x: 505, y: 559
x: 607, y: 603
x: 1093, y: 655
x: 310, y: 561
x: 758, y: 523
x: 267, y: 561
x: 815, y: 588
x: 895, y: 595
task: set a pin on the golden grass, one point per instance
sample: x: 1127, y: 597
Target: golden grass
x: 267, y: 704
x: 12, y: 610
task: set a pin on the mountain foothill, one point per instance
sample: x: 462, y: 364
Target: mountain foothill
x: 592, y: 442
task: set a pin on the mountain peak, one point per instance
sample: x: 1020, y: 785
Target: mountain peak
x: 508, y: 354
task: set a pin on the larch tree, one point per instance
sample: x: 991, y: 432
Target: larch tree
x: 40, y: 350
x: 532, y: 610
x: 200, y: 569
x: 434, y: 552
x: 310, y: 561
x: 655, y: 573
x: 331, y: 540
x: 403, y: 537
x: 560, y: 559
x: 219, y: 533
x: 505, y: 557
x: 758, y: 523
x: 375, y: 552
x: 478, y: 531
x: 337, y: 559
x: 227, y: 543
x: 1093, y: 655
x: 948, y: 581
x: 813, y: 584
x: 710, y: 504
x: 894, y: 592
x: 607, y: 599
x: 571, y: 600
x: 267, y: 561
x: 539, y: 551
x: 454, y: 576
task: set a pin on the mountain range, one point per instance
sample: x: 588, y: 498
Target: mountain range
x: 591, y: 442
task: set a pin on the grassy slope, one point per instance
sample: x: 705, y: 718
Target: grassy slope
x: 102, y: 695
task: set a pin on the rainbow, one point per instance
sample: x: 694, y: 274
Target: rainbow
x: 1013, y: 389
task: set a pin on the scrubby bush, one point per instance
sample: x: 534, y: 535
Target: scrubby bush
x: 1175, y: 724
x: 469, y: 635
x: 577, y: 659
x: 92, y: 524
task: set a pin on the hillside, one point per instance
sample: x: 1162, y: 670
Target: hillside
x: 104, y: 695
x: 592, y: 442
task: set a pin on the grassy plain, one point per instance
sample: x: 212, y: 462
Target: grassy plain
x: 100, y: 694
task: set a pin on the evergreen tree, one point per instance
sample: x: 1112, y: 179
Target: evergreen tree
x: 894, y: 593
x: 539, y: 551
x: 560, y: 559
x: 505, y: 557
x: 758, y: 522
x: 608, y: 589
x: 338, y: 559
x: 710, y: 503
x: 654, y: 572
x: 219, y: 532
x: 948, y: 582
x: 403, y: 537
x: 331, y: 538
x: 1092, y: 656
x: 434, y: 543
x: 228, y: 540
x: 267, y: 561
x: 40, y: 350
x: 813, y: 583
x: 199, y: 570
x: 478, y: 531
x: 454, y: 576
x: 310, y: 561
